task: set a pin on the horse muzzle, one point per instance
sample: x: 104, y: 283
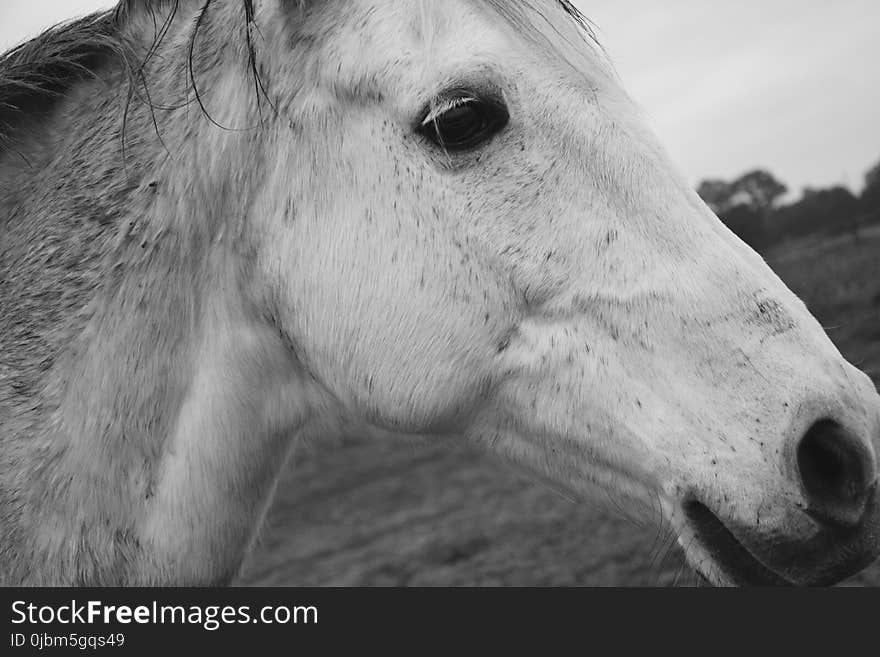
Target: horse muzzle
x: 830, y: 531
x: 728, y: 553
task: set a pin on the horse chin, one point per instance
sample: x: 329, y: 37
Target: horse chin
x: 719, y: 557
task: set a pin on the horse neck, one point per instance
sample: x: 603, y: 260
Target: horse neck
x: 146, y: 406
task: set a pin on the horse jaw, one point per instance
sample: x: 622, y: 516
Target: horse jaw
x: 247, y: 403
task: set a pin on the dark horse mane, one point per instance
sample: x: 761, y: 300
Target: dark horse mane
x: 41, y: 70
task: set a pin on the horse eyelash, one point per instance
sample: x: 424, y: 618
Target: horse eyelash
x: 437, y: 110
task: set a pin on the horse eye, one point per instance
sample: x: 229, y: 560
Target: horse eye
x: 463, y: 122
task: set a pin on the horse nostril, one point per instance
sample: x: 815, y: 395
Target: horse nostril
x: 837, y: 473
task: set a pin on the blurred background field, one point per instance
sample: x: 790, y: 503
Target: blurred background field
x: 405, y: 514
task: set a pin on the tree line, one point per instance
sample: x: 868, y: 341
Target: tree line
x: 750, y: 207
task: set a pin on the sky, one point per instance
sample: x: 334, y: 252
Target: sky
x: 792, y: 86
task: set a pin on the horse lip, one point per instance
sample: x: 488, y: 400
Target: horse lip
x: 829, y: 556
x: 729, y: 554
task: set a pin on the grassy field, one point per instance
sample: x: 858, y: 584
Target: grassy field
x: 403, y: 514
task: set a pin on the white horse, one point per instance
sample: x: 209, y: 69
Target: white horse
x: 229, y: 225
